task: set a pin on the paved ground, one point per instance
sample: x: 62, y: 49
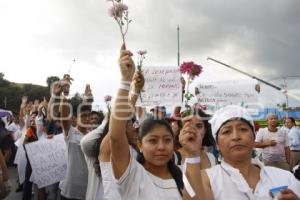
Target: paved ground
x: 13, y: 176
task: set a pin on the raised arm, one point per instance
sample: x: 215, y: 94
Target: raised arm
x: 137, y: 85
x: 23, y: 111
x: 65, y: 106
x: 196, y: 184
x: 121, y: 113
x: 53, y: 105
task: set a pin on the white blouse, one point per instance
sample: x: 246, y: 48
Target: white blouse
x: 228, y: 183
x: 138, y: 184
x: 110, y: 186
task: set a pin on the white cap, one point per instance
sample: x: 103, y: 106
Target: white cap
x: 226, y: 113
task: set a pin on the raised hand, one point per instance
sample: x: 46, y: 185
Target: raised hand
x: 56, y: 88
x: 88, y: 95
x: 36, y: 103
x: 24, y: 101
x: 190, y: 140
x: 68, y: 78
x: 88, y: 91
x: 126, y: 64
x: 138, y: 82
x: 65, y: 84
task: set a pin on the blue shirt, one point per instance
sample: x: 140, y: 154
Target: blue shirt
x: 294, y: 138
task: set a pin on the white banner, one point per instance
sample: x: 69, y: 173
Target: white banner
x: 162, y: 87
x: 214, y: 95
x: 48, y: 160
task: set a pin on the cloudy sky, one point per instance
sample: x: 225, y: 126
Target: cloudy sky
x: 40, y: 38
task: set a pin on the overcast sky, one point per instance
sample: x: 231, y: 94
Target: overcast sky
x: 40, y: 38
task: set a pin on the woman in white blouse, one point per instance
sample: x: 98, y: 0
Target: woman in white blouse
x: 239, y: 177
x: 155, y: 176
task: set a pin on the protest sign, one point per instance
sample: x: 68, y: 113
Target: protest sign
x: 162, y: 87
x: 214, y: 95
x: 48, y: 160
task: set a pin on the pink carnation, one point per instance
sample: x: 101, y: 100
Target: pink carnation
x: 141, y: 52
x: 190, y: 68
x: 107, y: 98
x: 117, y: 9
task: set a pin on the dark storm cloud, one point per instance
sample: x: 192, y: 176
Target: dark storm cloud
x: 268, y: 32
x: 264, y: 34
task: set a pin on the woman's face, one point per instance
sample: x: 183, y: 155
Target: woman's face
x: 198, y: 123
x: 235, y: 140
x: 157, y: 146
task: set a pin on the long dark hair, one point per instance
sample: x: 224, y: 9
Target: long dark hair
x: 208, y: 139
x: 145, y: 128
x: 96, y: 148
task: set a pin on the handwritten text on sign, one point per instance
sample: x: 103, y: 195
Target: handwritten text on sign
x: 162, y: 86
x: 48, y: 160
x: 227, y: 92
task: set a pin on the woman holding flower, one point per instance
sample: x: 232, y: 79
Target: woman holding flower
x: 238, y: 176
x: 155, y: 176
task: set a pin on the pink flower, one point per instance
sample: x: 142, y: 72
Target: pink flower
x: 191, y: 69
x: 141, y: 52
x: 117, y: 10
x: 107, y: 98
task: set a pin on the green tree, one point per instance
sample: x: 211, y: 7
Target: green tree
x: 3, y: 82
x: 75, y: 101
x: 51, y: 79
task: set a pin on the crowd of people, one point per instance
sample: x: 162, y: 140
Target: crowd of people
x: 128, y: 153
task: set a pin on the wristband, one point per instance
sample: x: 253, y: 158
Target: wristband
x: 187, y: 185
x: 192, y: 160
x: 126, y: 82
x: 124, y: 87
x: 134, y: 93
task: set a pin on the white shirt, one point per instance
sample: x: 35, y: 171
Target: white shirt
x: 294, y: 138
x: 13, y: 127
x: 40, y: 128
x: 274, y: 153
x: 110, y: 187
x: 88, y: 142
x: 136, y: 183
x: 75, y: 184
x: 228, y: 183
